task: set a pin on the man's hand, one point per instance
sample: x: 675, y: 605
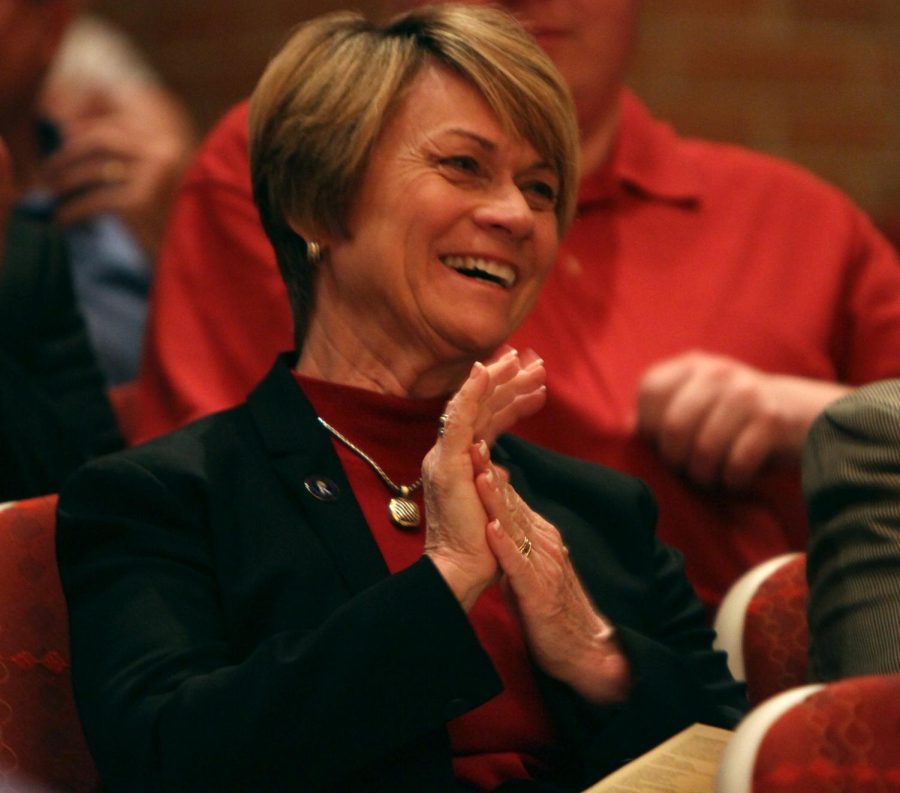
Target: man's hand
x: 721, y: 421
x: 124, y: 153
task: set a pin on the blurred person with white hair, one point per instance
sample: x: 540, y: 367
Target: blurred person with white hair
x: 98, y: 145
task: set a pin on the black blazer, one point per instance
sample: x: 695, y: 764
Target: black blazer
x: 54, y: 412
x: 232, y: 632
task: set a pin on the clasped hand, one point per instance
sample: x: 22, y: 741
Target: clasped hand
x: 477, y: 525
x: 721, y: 422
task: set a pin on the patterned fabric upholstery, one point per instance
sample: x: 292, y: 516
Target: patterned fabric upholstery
x: 41, y: 744
x: 776, y: 633
x: 761, y: 624
x: 843, y: 738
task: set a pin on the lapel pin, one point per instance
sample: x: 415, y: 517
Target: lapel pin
x: 321, y: 488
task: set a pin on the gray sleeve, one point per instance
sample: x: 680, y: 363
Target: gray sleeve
x: 851, y: 480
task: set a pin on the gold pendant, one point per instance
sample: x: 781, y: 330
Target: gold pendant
x: 404, y: 513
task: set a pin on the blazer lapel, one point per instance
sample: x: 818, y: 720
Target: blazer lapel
x: 303, y: 457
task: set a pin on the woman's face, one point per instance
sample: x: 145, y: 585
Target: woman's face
x: 452, y: 233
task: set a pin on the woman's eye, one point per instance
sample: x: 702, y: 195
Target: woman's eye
x: 462, y: 163
x: 539, y: 194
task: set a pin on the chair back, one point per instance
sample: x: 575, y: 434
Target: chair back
x: 42, y: 747
x: 762, y: 625
x: 738, y: 761
x: 841, y: 737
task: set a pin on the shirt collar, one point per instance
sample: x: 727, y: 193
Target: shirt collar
x: 647, y: 159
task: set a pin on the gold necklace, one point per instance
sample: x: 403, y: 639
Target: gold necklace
x: 403, y: 511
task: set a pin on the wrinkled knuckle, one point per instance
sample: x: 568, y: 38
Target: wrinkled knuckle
x: 772, y: 417
x: 693, y: 358
x: 722, y: 377
x: 672, y: 429
x: 706, y: 448
x: 672, y: 446
x: 738, y: 469
x: 699, y: 360
x: 647, y: 389
x: 557, y: 552
x: 746, y: 393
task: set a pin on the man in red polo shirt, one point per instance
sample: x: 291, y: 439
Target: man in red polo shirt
x: 706, y: 304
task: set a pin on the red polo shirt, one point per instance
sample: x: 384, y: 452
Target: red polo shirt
x: 678, y: 244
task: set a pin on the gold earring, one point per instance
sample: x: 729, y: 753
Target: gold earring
x: 313, y: 252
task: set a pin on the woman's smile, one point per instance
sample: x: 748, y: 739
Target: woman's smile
x: 482, y: 269
x: 451, y: 237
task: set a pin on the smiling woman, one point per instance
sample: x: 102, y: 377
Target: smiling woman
x: 452, y: 232
x: 314, y: 158
x: 256, y: 601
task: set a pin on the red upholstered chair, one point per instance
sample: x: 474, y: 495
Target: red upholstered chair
x: 42, y: 747
x: 762, y: 625
x: 840, y: 737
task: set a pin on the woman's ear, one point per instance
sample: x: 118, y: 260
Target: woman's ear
x: 315, y: 245
x: 301, y: 230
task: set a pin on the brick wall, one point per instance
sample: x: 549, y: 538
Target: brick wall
x: 817, y: 81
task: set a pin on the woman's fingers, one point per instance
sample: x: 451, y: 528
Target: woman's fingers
x: 500, y: 501
x: 458, y: 422
x: 517, y: 389
x: 481, y: 457
x: 463, y: 490
x: 524, y: 380
x: 566, y: 635
x: 505, y: 418
x: 454, y: 514
x: 511, y: 556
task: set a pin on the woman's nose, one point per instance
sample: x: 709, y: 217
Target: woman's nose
x: 506, y: 209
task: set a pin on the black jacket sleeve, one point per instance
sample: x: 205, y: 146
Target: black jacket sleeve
x: 347, y: 692
x: 678, y: 679
x: 54, y: 412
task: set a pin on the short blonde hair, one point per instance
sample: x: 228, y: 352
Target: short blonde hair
x: 323, y: 101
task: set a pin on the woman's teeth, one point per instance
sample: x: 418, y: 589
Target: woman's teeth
x: 487, y: 269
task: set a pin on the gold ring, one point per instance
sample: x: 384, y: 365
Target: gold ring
x: 442, y: 425
x: 113, y: 171
x: 525, y: 547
